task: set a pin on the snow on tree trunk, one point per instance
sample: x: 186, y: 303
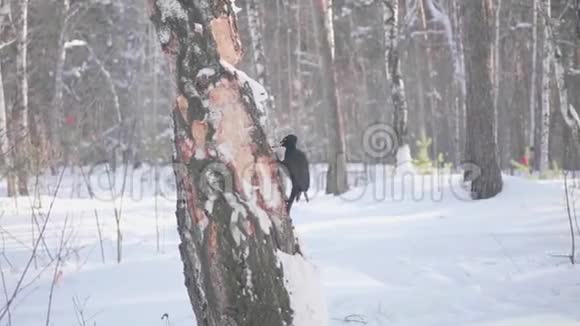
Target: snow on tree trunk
x: 237, y: 241
x: 485, y: 175
x: 533, y: 86
x: 546, y: 74
x: 257, y: 41
x: 395, y: 78
x: 20, y: 113
x: 336, y: 181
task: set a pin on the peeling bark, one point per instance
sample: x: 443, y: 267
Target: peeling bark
x: 231, y: 210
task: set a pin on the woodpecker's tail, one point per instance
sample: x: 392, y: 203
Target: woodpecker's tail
x: 306, y: 196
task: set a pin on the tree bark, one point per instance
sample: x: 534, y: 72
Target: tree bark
x: 533, y: 87
x: 485, y: 174
x: 21, y: 141
x: 336, y: 181
x: 546, y: 74
x: 429, y: 84
x: 255, y: 25
x: 460, y: 87
x: 496, y: 69
x: 4, y: 141
x: 5, y: 148
x: 569, y: 113
x: 231, y: 210
x: 394, y: 76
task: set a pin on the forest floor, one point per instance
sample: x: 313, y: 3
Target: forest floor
x: 396, y: 252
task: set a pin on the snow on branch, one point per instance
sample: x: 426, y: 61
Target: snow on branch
x: 74, y: 43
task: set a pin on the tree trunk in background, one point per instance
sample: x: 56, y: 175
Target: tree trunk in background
x: 4, y: 142
x: 395, y: 78
x: 256, y: 27
x: 460, y: 87
x: 496, y: 69
x: 534, y: 70
x: 336, y: 181
x: 5, y: 148
x: 236, y: 237
x: 481, y: 148
x: 569, y: 113
x: 57, y: 115
x: 578, y: 18
x: 432, y: 92
x: 21, y: 143
x: 546, y: 74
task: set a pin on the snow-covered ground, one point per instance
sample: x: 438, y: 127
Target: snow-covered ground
x: 402, y: 251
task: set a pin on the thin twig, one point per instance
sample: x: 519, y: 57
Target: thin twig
x: 92, y: 196
x: 572, y: 236
x: 33, y: 254
x: 56, y: 270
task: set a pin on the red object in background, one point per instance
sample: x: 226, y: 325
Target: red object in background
x: 524, y: 160
x: 70, y: 120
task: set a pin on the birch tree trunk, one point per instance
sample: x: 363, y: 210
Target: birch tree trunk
x: 481, y: 148
x: 255, y: 25
x: 57, y: 116
x: 5, y: 148
x: 395, y: 78
x: 432, y: 93
x: 546, y: 74
x: 237, y: 241
x: 336, y: 181
x: 21, y: 143
x: 533, y: 87
x: 569, y: 113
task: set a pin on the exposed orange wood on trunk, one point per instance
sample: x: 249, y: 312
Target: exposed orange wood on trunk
x: 233, y: 132
x: 269, y: 189
x: 212, y: 241
x: 182, y: 105
x: 199, y: 131
x: 227, y: 39
x: 234, y: 135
